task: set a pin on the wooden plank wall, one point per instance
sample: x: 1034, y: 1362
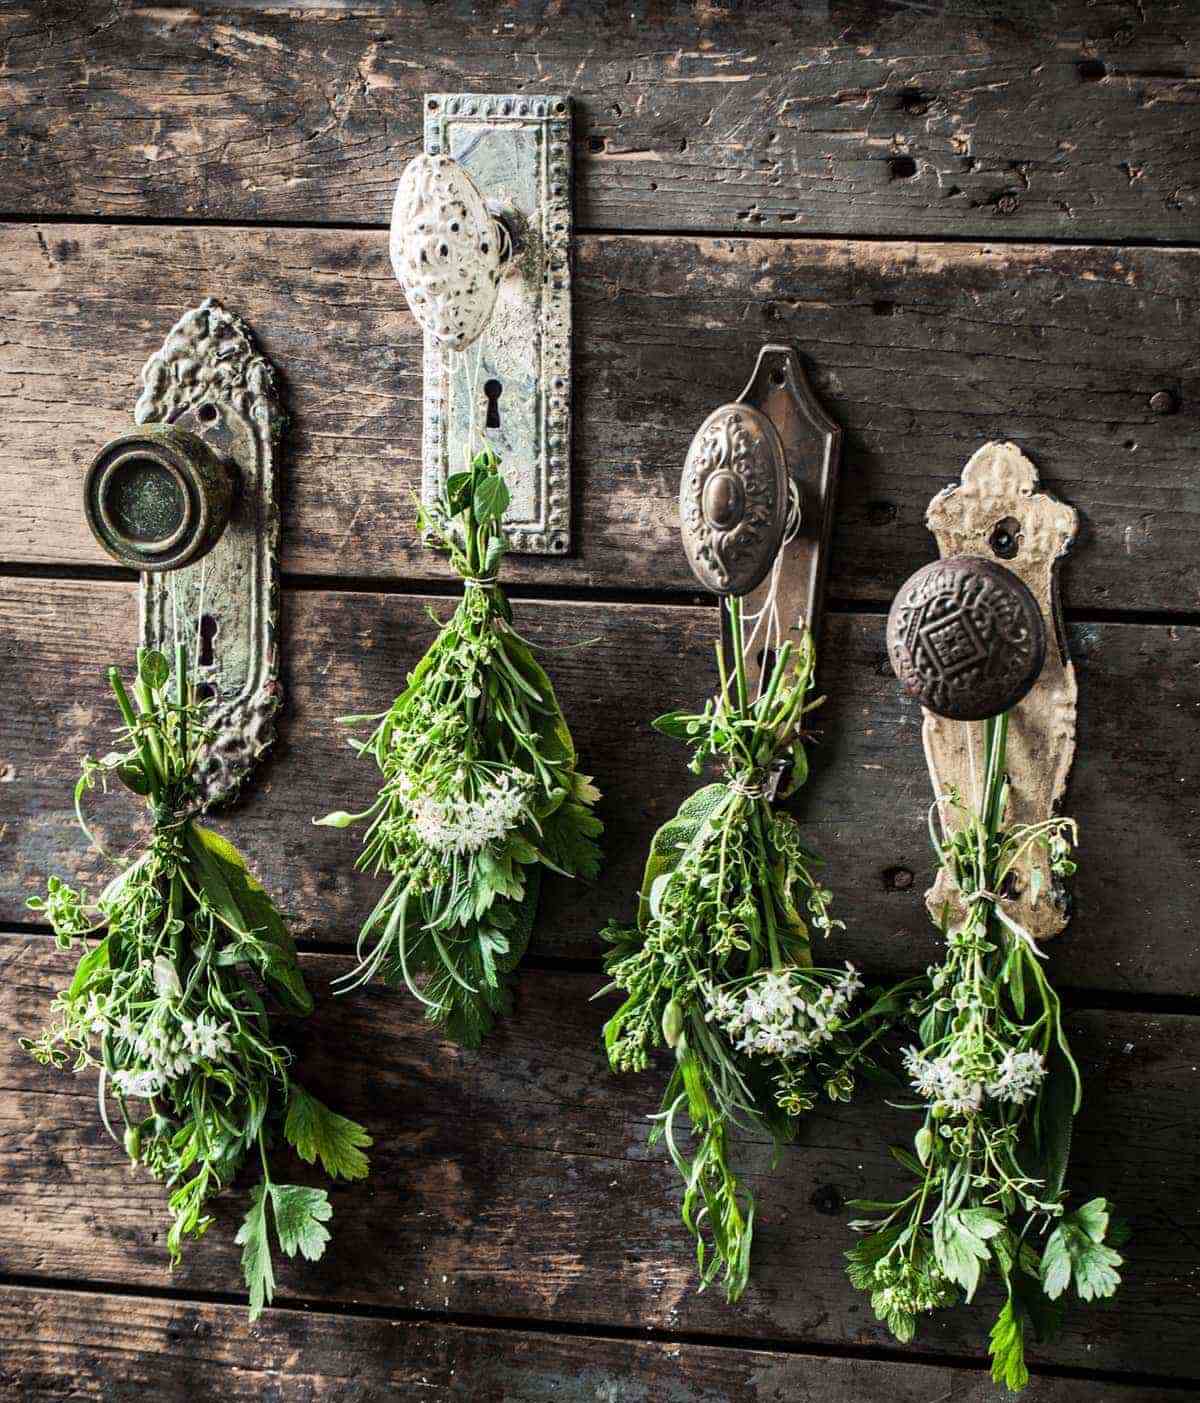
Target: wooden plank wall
x: 973, y: 223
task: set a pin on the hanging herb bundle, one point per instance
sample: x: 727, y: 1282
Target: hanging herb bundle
x: 480, y: 789
x: 998, y: 1091
x: 166, y: 1004
x: 719, y: 965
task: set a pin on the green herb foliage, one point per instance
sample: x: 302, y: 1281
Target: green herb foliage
x: 167, y: 1003
x: 719, y: 966
x: 480, y: 789
x: 998, y: 1091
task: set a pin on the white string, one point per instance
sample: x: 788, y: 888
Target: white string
x: 768, y: 612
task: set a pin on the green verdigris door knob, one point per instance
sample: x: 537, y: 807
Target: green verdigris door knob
x: 158, y: 498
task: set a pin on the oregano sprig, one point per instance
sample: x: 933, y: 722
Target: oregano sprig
x: 718, y: 966
x: 481, y: 789
x: 998, y: 1092
x: 166, y: 1001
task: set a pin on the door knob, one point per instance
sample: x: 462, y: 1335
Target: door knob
x: 158, y: 499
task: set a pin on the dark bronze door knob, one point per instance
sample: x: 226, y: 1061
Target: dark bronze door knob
x: 158, y: 498
x: 966, y: 638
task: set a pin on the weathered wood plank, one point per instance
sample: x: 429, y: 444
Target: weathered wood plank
x: 1073, y: 119
x: 497, y: 1178
x: 117, y: 1349
x: 1134, y: 788
x: 922, y: 352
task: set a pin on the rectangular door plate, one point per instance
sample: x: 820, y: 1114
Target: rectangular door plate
x: 514, y: 384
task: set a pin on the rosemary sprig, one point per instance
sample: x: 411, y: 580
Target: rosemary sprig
x: 165, y: 1004
x: 999, y: 1090
x: 480, y: 791
x: 719, y: 965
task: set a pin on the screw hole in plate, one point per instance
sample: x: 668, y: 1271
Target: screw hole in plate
x: 207, y: 413
x: 1005, y: 539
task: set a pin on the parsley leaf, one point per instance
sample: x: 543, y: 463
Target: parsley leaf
x: 315, y: 1132
x: 960, y: 1244
x: 256, y: 1252
x: 1006, y: 1344
x: 1076, y: 1251
x: 300, y: 1215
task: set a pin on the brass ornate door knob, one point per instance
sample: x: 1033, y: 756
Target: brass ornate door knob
x: 966, y: 638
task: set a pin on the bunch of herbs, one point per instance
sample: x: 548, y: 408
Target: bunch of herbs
x: 719, y: 965
x: 481, y: 789
x: 998, y: 1091
x: 167, y: 1002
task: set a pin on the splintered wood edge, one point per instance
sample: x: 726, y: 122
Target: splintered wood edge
x: 1000, y: 484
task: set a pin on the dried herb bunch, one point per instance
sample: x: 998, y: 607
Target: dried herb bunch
x: 719, y: 965
x: 167, y: 1003
x: 480, y: 789
x: 998, y: 1091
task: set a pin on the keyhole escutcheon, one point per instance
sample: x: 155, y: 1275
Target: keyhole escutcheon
x: 493, y: 389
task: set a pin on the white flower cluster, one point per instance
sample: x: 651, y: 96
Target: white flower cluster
x: 468, y: 825
x: 168, y: 1052
x: 947, y: 1083
x: 775, y: 1016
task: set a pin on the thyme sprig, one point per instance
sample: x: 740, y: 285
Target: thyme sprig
x: 481, y: 789
x: 166, y: 1003
x: 998, y: 1091
x: 719, y: 966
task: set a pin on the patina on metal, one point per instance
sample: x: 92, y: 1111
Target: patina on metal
x: 735, y: 510
x: 508, y: 304
x: 191, y: 499
x: 733, y: 499
x: 966, y: 638
x: 999, y: 510
x: 158, y: 499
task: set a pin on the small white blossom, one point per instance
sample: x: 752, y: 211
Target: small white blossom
x: 1017, y: 1077
x: 778, y: 1016
x: 205, y: 1037
x: 471, y: 824
x: 166, y: 980
x: 137, y: 1083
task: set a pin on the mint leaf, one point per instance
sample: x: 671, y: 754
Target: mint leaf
x: 316, y: 1132
x: 256, y: 1252
x: 300, y: 1216
x: 1006, y: 1344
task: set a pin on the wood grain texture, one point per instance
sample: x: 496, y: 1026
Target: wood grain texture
x: 922, y: 352
x: 112, y: 1349
x: 1134, y: 789
x: 1073, y: 119
x: 517, y: 1183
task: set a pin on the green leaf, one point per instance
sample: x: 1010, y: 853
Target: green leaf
x: 491, y: 498
x: 256, y: 1252
x: 94, y: 962
x: 228, y: 880
x: 960, y: 1244
x: 316, y: 1132
x: 1006, y: 1344
x: 1076, y: 1251
x: 300, y: 1217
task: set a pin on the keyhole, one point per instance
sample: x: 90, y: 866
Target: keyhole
x: 208, y: 633
x: 1005, y: 539
x: 493, y: 389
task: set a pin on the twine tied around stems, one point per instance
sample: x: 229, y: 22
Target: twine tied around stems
x: 480, y: 581
x: 1022, y: 934
x: 747, y: 785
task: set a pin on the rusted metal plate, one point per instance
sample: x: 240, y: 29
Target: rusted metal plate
x: 998, y: 512
x: 210, y: 380
x: 966, y: 638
